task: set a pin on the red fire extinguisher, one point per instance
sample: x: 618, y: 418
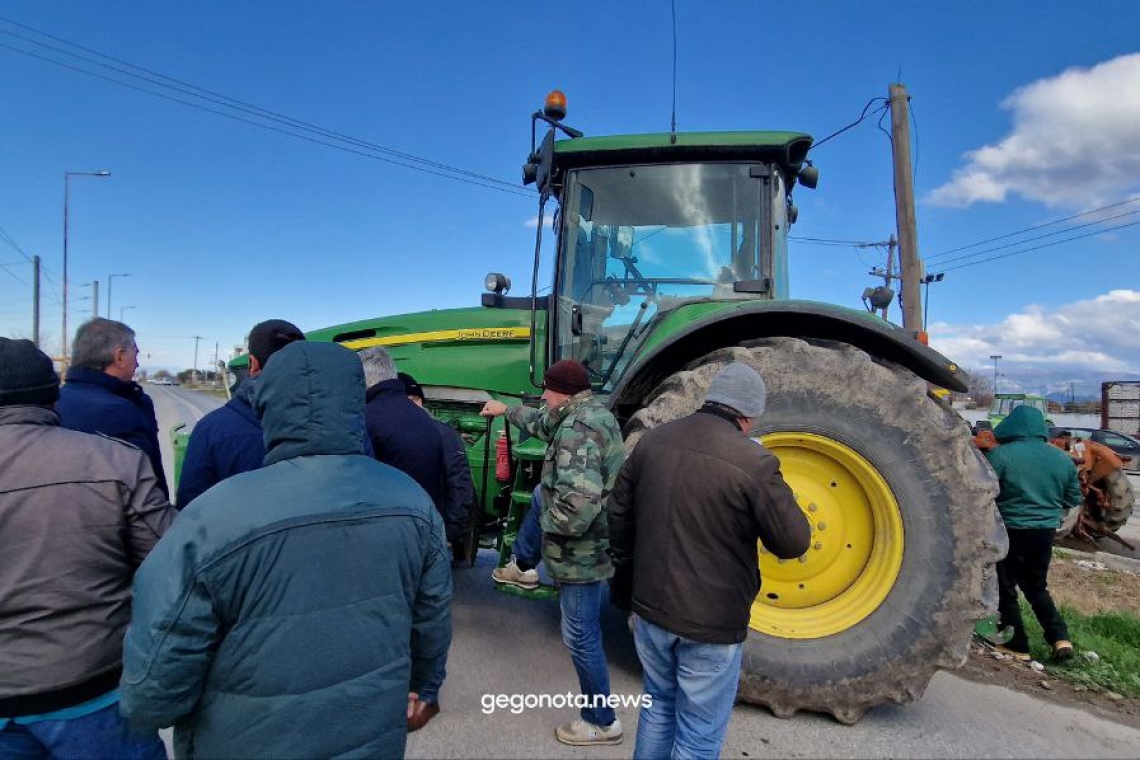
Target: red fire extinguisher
x: 502, y: 458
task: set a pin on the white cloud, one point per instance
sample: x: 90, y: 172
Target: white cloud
x: 1074, y: 143
x: 1098, y: 334
x: 547, y: 222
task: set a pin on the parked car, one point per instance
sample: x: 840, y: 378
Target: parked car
x: 1127, y: 447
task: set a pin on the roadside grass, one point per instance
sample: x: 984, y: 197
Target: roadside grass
x: 208, y: 390
x: 1114, y: 636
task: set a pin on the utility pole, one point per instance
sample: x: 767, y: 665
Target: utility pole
x: 995, y: 357
x: 890, y: 269
x: 889, y: 273
x: 194, y: 372
x: 94, y: 298
x: 910, y: 270
x: 215, y: 362
x: 36, y: 300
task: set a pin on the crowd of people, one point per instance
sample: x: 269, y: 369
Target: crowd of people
x: 304, y: 577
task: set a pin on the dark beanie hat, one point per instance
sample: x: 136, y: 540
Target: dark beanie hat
x: 411, y: 387
x: 567, y: 376
x: 270, y: 336
x: 26, y: 374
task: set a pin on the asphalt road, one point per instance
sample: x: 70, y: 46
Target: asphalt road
x: 506, y: 645
x: 174, y: 405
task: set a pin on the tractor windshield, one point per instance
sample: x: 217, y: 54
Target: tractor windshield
x: 637, y: 241
x: 1003, y: 405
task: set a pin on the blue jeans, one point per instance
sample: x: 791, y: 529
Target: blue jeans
x: 528, y: 543
x: 101, y: 734
x: 581, y: 620
x: 692, y: 685
x: 582, y: 634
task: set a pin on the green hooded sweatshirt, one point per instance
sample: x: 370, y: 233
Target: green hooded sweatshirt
x: 1038, y: 480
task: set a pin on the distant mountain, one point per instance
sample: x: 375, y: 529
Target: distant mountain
x: 1056, y: 385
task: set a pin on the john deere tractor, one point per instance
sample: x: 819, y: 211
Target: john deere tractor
x: 670, y: 260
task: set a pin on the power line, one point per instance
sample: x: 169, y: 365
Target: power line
x: 227, y: 101
x: 262, y: 126
x: 12, y: 242
x: 1034, y: 227
x: 290, y: 124
x: 1040, y: 237
x: 872, y: 101
x: 48, y: 277
x: 829, y: 241
x: 1039, y: 247
x: 13, y: 275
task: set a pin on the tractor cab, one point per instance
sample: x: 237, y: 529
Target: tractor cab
x: 648, y: 223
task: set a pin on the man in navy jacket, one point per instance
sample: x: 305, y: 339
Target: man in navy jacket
x: 100, y: 394
x: 229, y: 440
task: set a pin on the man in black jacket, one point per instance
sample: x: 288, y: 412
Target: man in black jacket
x: 459, y: 488
x: 686, y: 512
x: 406, y: 437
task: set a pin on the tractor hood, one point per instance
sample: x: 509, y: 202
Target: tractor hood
x: 473, y: 348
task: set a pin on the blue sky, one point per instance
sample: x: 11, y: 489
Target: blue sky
x: 1024, y: 113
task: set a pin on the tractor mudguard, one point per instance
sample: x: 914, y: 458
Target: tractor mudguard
x: 678, y: 339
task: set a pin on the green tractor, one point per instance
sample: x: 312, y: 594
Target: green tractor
x: 1004, y: 403
x: 670, y: 261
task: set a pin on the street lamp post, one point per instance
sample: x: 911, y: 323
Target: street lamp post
x: 926, y: 296
x: 110, y: 281
x: 122, y: 309
x: 995, y: 357
x: 66, y: 193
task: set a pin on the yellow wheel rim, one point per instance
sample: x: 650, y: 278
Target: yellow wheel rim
x: 856, y: 542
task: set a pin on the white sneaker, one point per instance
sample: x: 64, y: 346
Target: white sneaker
x: 579, y: 733
x: 510, y: 575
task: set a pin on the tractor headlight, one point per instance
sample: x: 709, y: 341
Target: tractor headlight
x: 497, y: 283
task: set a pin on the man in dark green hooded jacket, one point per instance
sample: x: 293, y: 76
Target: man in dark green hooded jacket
x: 1038, y: 483
x: 289, y: 610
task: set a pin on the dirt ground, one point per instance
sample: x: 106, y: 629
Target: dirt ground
x: 1088, y: 590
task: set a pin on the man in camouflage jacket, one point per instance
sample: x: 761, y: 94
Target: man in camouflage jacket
x: 566, y: 526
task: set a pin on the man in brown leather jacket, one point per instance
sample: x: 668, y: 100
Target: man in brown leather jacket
x: 685, y: 514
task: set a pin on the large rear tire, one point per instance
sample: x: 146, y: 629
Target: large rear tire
x: 904, y: 528
x: 1121, y: 499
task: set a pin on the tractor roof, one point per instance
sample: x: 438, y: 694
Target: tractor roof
x: 788, y: 149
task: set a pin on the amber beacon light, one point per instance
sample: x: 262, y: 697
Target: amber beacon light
x: 555, y: 107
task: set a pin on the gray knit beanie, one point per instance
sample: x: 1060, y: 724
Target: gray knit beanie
x: 740, y: 388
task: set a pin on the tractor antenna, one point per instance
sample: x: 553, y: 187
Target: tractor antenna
x: 673, y: 126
